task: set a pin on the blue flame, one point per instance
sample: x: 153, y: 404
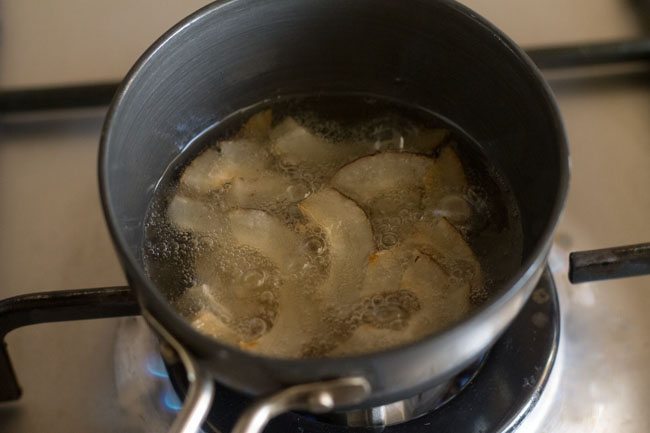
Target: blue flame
x: 156, y: 367
x: 171, y: 401
x: 169, y: 398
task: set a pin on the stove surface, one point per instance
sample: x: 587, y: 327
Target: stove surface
x: 53, y: 235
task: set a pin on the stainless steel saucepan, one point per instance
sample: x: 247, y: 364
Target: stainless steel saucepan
x: 435, y: 54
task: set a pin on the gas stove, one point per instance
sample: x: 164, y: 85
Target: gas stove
x: 575, y: 360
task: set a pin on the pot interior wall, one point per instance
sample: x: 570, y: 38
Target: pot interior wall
x: 426, y: 53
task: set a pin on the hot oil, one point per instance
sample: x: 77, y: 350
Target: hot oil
x: 254, y: 295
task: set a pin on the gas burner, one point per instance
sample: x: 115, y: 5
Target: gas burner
x: 387, y: 415
x: 498, y: 391
x: 408, y: 409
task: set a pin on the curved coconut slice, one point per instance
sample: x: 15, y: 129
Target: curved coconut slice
x: 444, y: 195
x: 394, y: 133
x: 201, y: 297
x: 368, y: 339
x: 379, y: 301
x: 197, y: 176
x: 383, y: 275
x: 240, y: 287
x: 213, y: 168
x: 350, y: 239
x: 192, y: 215
x: 384, y: 271
x: 209, y: 324
x: 440, y: 240
x: 440, y: 305
x: 258, y: 126
x: 294, y: 144
x: 264, y: 191
x: 371, y: 177
x: 268, y: 235
x: 273, y: 242
x: 297, y: 321
x: 454, y: 207
x: 425, y: 140
x: 450, y: 167
x: 298, y: 316
x: 206, y: 314
x: 449, y: 177
x: 442, y: 300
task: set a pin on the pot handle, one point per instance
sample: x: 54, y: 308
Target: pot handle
x: 609, y: 263
x: 198, y: 400
x: 200, y: 393
x: 316, y: 397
